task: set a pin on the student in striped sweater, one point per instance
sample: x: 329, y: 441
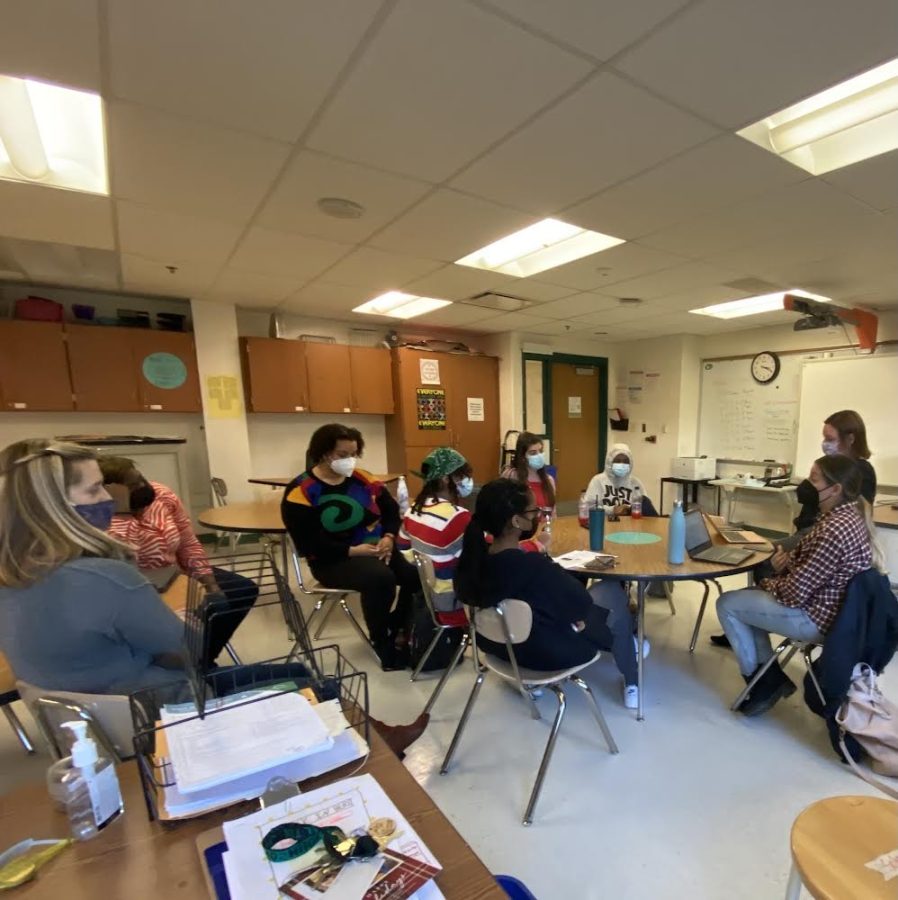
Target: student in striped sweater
x: 435, y: 524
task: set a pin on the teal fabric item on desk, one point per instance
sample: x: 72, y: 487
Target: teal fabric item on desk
x: 632, y: 537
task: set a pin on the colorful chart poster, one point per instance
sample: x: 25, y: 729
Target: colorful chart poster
x: 431, y: 409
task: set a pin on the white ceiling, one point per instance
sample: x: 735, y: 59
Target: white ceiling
x: 454, y: 122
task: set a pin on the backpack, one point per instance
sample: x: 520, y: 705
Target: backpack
x: 872, y: 720
x: 422, y: 633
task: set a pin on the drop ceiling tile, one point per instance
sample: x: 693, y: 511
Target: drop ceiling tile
x: 721, y: 172
x: 608, y: 267
x: 264, y: 71
x: 152, y: 277
x: 311, y: 176
x: 38, y: 213
x: 440, y: 83
x: 600, y: 27
x: 873, y: 181
x: 448, y: 225
x: 251, y: 289
x: 52, y: 40
x: 557, y: 160
x: 737, y: 62
x: 515, y: 321
x: 638, y: 316
x: 539, y: 291
x: 678, y: 278
x: 576, y: 305
x: 41, y: 262
x: 321, y: 295
x: 276, y: 253
x: 460, y: 282
x: 202, y: 170
x: 158, y: 234
x: 455, y: 316
x: 379, y: 270
x: 696, y: 297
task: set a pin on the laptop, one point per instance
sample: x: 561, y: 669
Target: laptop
x: 698, y: 543
x: 733, y: 535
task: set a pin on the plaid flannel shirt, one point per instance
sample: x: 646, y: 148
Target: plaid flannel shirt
x: 819, y: 568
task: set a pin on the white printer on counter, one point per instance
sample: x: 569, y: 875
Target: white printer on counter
x: 695, y: 468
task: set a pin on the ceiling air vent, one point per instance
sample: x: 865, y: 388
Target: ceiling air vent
x: 498, y: 302
x: 753, y: 286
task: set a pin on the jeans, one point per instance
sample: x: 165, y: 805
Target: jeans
x: 376, y: 582
x: 750, y: 615
x: 610, y: 595
x: 225, y: 611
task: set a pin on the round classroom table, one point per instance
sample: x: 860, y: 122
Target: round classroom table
x: 645, y: 562
x: 249, y: 517
x: 277, y: 481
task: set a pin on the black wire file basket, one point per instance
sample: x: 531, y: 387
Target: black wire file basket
x: 321, y: 675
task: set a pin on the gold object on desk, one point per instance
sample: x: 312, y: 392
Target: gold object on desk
x: 24, y: 864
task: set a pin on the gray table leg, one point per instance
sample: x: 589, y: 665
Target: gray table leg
x: 640, y: 635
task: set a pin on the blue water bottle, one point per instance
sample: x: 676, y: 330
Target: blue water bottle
x: 676, y: 535
x: 596, y: 527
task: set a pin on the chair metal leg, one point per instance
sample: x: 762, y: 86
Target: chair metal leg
x: 806, y: 653
x: 793, y: 888
x: 784, y: 645
x: 640, y: 643
x: 699, y: 617
x: 232, y: 653
x: 668, y: 592
x: 355, y: 622
x: 327, y: 613
x: 547, y: 755
x: 597, y: 712
x: 478, y: 683
x: 430, y: 648
x: 445, y: 676
x: 18, y: 728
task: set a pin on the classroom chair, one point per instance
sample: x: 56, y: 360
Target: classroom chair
x: 789, y: 647
x: 8, y: 695
x: 442, y: 623
x: 510, y: 623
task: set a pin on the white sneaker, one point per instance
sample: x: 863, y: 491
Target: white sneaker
x: 535, y: 693
x: 646, y: 646
x: 631, y: 696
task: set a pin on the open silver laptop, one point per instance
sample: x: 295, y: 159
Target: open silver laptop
x: 699, y: 546
x: 733, y: 535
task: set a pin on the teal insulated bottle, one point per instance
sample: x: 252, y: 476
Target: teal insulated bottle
x: 676, y: 535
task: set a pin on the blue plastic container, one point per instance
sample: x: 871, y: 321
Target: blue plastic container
x: 515, y: 889
x: 676, y: 536
x: 597, y: 528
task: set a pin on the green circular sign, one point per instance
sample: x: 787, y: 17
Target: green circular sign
x: 632, y: 537
x: 164, y: 370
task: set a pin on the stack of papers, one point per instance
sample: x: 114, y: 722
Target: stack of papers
x: 231, y: 755
x: 576, y: 559
x: 349, y: 804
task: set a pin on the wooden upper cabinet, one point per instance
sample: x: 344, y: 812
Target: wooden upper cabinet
x: 372, y: 380
x: 330, y: 379
x: 102, y: 368
x: 167, y: 376
x: 274, y: 372
x: 34, y: 372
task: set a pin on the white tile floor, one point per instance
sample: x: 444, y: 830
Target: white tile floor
x: 697, y: 805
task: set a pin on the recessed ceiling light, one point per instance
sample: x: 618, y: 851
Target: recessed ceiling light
x: 52, y: 135
x: 538, y: 247
x: 398, y: 305
x: 842, y: 125
x: 751, y: 306
x: 340, y: 208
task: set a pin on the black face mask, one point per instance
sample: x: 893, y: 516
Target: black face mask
x: 806, y: 494
x: 142, y: 496
x: 526, y: 535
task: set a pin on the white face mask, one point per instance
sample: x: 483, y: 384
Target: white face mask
x: 465, y: 487
x: 536, y: 461
x: 620, y: 469
x: 344, y: 466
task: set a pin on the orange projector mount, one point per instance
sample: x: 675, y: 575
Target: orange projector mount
x: 823, y: 315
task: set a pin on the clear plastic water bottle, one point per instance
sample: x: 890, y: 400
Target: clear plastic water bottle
x: 545, y: 533
x: 583, y: 510
x: 636, y: 503
x: 402, y: 496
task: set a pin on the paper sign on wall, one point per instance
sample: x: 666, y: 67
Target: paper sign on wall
x: 431, y: 409
x: 575, y: 407
x: 430, y: 371
x: 223, y: 397
x: 475, y: 409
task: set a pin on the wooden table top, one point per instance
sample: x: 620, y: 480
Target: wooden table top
x: 833, y: 839
x: 885, y: 516
x: 284, y: 480
x: 260, y: 516
x: 143, y: 860
x: 646, y: 561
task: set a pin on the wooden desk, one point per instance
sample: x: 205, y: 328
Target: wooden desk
x: 885, y: 516
x: 250, y: 517
x: 143, y: 860
x: 731, y: 488
x: 646, y: 562
x: 276, y: 481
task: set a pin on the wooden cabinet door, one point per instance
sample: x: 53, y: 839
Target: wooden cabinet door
x: 409, y: 381
x: 34, y: 371
x: 330, y: 379
x: 472, y: 391
x: 274, y: 375
x: 102, y: 369
x: 372, y: 380
x: 166, y: 370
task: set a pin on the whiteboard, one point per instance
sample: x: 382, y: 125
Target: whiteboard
x: 741, y: 419
x: 868, y: 384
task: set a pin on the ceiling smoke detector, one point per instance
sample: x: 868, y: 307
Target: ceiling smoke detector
x: 340, y: 208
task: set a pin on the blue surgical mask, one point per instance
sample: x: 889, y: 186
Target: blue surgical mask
x: 621, y: 470
x: 830, y: 448
x: 97, y: 514
x: 465, y: 487
x: 536, y: 460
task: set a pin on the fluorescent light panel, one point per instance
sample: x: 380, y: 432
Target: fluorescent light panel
x: 845, y: 124
x: 752, y: 306
x: 52, y: 135
x: 398, y: 305
x: 538, y: 247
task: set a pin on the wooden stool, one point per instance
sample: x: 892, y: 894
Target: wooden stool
x: 831, y: 842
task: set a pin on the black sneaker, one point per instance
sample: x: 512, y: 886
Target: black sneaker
x: 721, y: 640
x: 774, y: 686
